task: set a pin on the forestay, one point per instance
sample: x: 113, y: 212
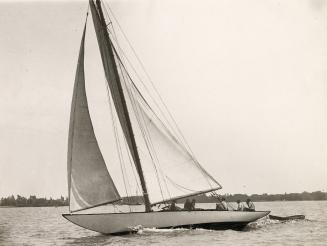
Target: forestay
x: 89, y: 182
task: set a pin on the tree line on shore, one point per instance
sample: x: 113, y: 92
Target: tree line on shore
x: 33, y: 201
x: 304, y: 196
x: 207, y: 198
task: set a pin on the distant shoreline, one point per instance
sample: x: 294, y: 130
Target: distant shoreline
x: 33, y: 201
x: 32, y: 206
x: 304, y: 196
x: 142, y: 204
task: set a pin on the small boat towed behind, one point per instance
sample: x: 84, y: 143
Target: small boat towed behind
x: 285, y: 218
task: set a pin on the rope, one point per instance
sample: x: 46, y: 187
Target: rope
x: 172, y: 136
x: 135, y: 71
x: 135, y: 96
x: 143, y: 131
x: 150, y: 80
x: 145, y: 134
x: 119, y: 150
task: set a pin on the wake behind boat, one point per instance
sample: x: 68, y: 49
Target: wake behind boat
x: 151, y: 152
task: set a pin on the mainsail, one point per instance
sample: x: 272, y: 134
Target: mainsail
x: 89, y: 182
x: 166, y: 168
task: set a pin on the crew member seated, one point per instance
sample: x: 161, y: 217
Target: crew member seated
x: 250, y: 205
x: 240, y: 206
x: 187, y: 205
x: 193, y: 204
x: 173, y: 206
x: 222, y: 205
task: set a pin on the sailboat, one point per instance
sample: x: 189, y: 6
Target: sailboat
x: 164, y: 166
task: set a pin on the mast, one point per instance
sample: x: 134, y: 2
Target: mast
x: 128, y: 131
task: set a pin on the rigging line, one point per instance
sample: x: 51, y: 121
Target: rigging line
x: 167, y: 131
x: 133, y: 168
x: 135, y: 109
x: 188, y: 149
x: 123, y: 163
x: 204, y: 173
x: 125, y: 141
x: 131, y: 98
x: 149, y: 78
x: 150, y: 143
x: 124, y: 79
x: 133, y: 68
x: 179, y: 142
x: 114, y: 35
x: 148, y: 91
x: 116, y: 139
x: 172, y: 137
x: 145, y: 103
x: 175, y: 138
x: 128, y: 153
x: 147, y: 139
x: 141, y: 128
x: 115, y: 134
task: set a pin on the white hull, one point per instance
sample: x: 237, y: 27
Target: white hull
x: 109, y: 223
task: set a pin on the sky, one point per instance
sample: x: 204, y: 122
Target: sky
x: 246, y: 81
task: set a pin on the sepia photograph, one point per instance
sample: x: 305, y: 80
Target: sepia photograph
x: 163, y: 122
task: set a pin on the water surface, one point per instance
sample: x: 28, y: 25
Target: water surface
x: 46, y: 226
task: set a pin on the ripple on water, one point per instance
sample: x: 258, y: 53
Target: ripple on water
x: 46, y: 226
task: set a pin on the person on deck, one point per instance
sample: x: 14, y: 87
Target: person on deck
x: 222, y: 205
x: 173, y: 206
x: 250, y: 205
x: 240, y: 206
x: 187, y: 205
x: 219, y: 206
x: 193, y: 204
